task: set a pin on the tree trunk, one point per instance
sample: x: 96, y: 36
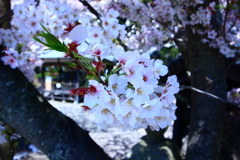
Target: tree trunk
x: 207, y: 113
x: 6, y: 145
x: 5, y: 6
x: 26, y: 111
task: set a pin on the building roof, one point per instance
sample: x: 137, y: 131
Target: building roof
x: 51, y: 54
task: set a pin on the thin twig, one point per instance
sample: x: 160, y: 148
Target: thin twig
x: 183, y: 87
x: 233, y: 62
x: 225, y: 20
x: 91, y: 9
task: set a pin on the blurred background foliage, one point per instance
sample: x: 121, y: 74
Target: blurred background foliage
x: 166, y: 54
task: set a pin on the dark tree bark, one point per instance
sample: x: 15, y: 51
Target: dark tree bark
x: 207, y: 114
x: 5, y: 6
x: 26, y: 111
x: 7, y: 148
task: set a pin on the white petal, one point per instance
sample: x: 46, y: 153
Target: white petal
x: 79, y: 34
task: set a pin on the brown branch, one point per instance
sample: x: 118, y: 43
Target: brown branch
x: 26, y: 111
x: 91, y: 9
x: 163, y: 24
x: 122, y: 44
x: 183, y: 87
x: 6, y: 16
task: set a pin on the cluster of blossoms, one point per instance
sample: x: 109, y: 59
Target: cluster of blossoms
x: 218, y: 25
x: 210, y: 20
x: 151, y: 32
x: 25, y: 61
x: 128, y: 96
x: 26, y: 23
x: 234, y: 95
x: 132, y: 98
x: 96, y: 41
x: 28, y: 17
x: 58, y: 18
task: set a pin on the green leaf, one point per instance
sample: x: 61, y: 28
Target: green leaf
x: 85, y: 59
x: 115, y: 70
x: 71, y: 64
x: 89, y: 76
x: 59, y: 47
x: 10, y: 131
x: 51, y: 41
x: 38, y: 40
x: 44, y: 28
x: 15, y: 144
x: 49, y: 38
x: 86, y: 62
x: 86, y: 84
x: 75, y: 55
x: 19, y: 48
x: 221, y: 6
x: 92, y: 69
x: 92, y: 76
x: 130, y: 86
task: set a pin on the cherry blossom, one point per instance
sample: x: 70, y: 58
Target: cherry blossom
x: 127, y: 97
